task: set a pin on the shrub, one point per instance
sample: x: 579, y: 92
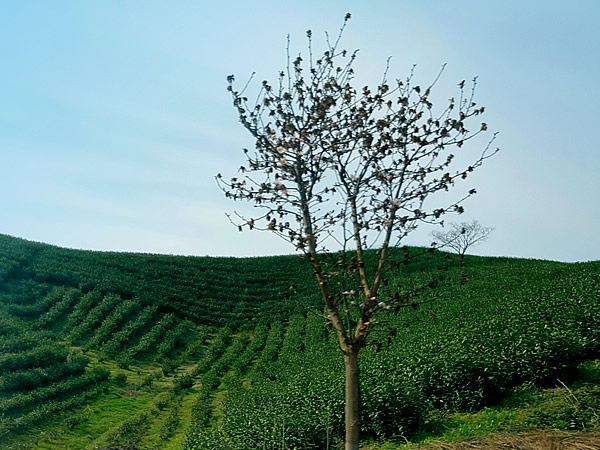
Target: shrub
x: 120, y: 380
x: 162, y: 400
x: 183, y: 382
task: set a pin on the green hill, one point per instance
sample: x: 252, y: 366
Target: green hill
x: 152, y: 351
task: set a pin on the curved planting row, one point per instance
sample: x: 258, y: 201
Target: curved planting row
x: 211, y: 291
x: 153, y: 336
x: 39, y: 377
x: 248, y: 354
x: 59, y: 308
x: 112, y: 321
x: 258, y: 413
x: 214, y: 350
x: 263, y: 363
x: 94, y: 317
x: 48, y: 410
x: 121, y: 337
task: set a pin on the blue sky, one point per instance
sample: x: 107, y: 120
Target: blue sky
x: 114, y: 116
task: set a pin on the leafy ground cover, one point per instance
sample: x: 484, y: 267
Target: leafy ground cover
x: 105, y: 349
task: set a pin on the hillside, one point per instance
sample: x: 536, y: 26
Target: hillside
x: 111, y: 349
x: 236, y: 289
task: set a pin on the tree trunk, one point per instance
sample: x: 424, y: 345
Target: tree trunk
x: 352, y: 399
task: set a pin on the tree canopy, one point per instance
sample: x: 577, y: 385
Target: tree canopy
x: 355, y: 166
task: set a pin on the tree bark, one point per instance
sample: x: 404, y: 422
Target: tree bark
x: 352, y: 409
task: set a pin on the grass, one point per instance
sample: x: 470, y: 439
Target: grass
x: 101, y: 418
x: 185, y: 417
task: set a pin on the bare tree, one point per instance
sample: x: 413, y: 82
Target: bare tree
x: 353, y: 167
x: 461, y: 236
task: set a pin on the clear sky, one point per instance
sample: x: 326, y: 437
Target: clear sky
x: 114, y: 116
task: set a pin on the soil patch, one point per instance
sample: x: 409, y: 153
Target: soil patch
x: 538, y: 440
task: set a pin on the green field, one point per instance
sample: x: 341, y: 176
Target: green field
x: 152, y: 351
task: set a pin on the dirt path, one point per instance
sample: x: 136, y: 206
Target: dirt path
x: 538, y: 440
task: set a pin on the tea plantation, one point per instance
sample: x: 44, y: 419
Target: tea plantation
x: 106, y: 350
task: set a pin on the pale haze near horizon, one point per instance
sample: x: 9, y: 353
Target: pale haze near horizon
x: 114, y: 118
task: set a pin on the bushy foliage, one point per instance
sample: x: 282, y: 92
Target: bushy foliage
x: 39, y: 376
x: 129, y: 432
x: 170, y: 425
x: 23, y: 401
x: 162, y: 400
x: 120, y: 379
x: 201, y: 410
x: 299, y: 411
x: 41, y: 356
x: 183, y: 382
x: 214, y: 350
x: 112, y: 321
x: 224, y: 363
x: 95, y: 316
x: 47, y: 410
x: 174, y: 337
x: 262, y: 365
x: 120, y: 337
x: 28, y: 379
x: 259, y: 336
x: 58, y: 309
x: 153, y: 336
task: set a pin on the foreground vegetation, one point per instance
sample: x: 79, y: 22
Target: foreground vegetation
x: 106, y: 349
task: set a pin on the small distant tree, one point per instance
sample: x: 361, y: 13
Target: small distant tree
x: 355, y: 166
x: 461, y: 236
